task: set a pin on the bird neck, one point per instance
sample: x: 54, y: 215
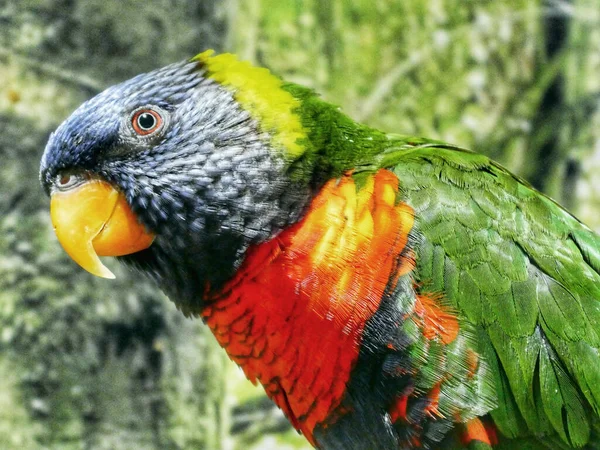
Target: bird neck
x: 293, y: 315
x: 315, y: 137
x: 334, y: 144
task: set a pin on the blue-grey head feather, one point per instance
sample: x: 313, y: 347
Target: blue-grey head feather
x: 97, y: 125
x: 208, y: 184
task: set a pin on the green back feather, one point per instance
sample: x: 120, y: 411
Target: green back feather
x: 523, y: 271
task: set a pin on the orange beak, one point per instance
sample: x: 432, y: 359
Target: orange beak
x: 92, y: 220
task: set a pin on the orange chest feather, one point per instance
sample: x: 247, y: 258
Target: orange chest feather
x: 294, y: 314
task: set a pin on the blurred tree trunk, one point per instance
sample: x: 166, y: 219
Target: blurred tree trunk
x: 561, y: 131
x: 583, y: 90
x: 552, y: 123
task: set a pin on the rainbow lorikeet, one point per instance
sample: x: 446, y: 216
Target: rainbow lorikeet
x: 389, y: 292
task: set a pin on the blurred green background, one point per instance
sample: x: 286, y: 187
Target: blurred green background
x: 95, y: 364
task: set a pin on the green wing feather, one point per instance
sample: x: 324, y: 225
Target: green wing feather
x: 523, y: 271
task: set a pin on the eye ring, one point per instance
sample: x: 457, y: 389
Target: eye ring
x: 146, y: 121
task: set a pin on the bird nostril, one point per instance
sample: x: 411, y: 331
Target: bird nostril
x: 67, y: 181
x: 64, y: 180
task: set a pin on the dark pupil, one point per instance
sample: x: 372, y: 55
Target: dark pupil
x: 146, y: 121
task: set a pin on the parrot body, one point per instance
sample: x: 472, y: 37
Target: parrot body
x: 388, y: 292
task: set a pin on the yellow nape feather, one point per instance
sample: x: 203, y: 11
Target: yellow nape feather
x: 260, y: 93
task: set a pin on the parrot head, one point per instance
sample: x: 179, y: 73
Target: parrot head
x: 177, y: 172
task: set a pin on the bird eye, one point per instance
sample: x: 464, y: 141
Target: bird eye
x: 146, y: 121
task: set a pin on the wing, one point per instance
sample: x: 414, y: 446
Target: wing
x: 524, y: 272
